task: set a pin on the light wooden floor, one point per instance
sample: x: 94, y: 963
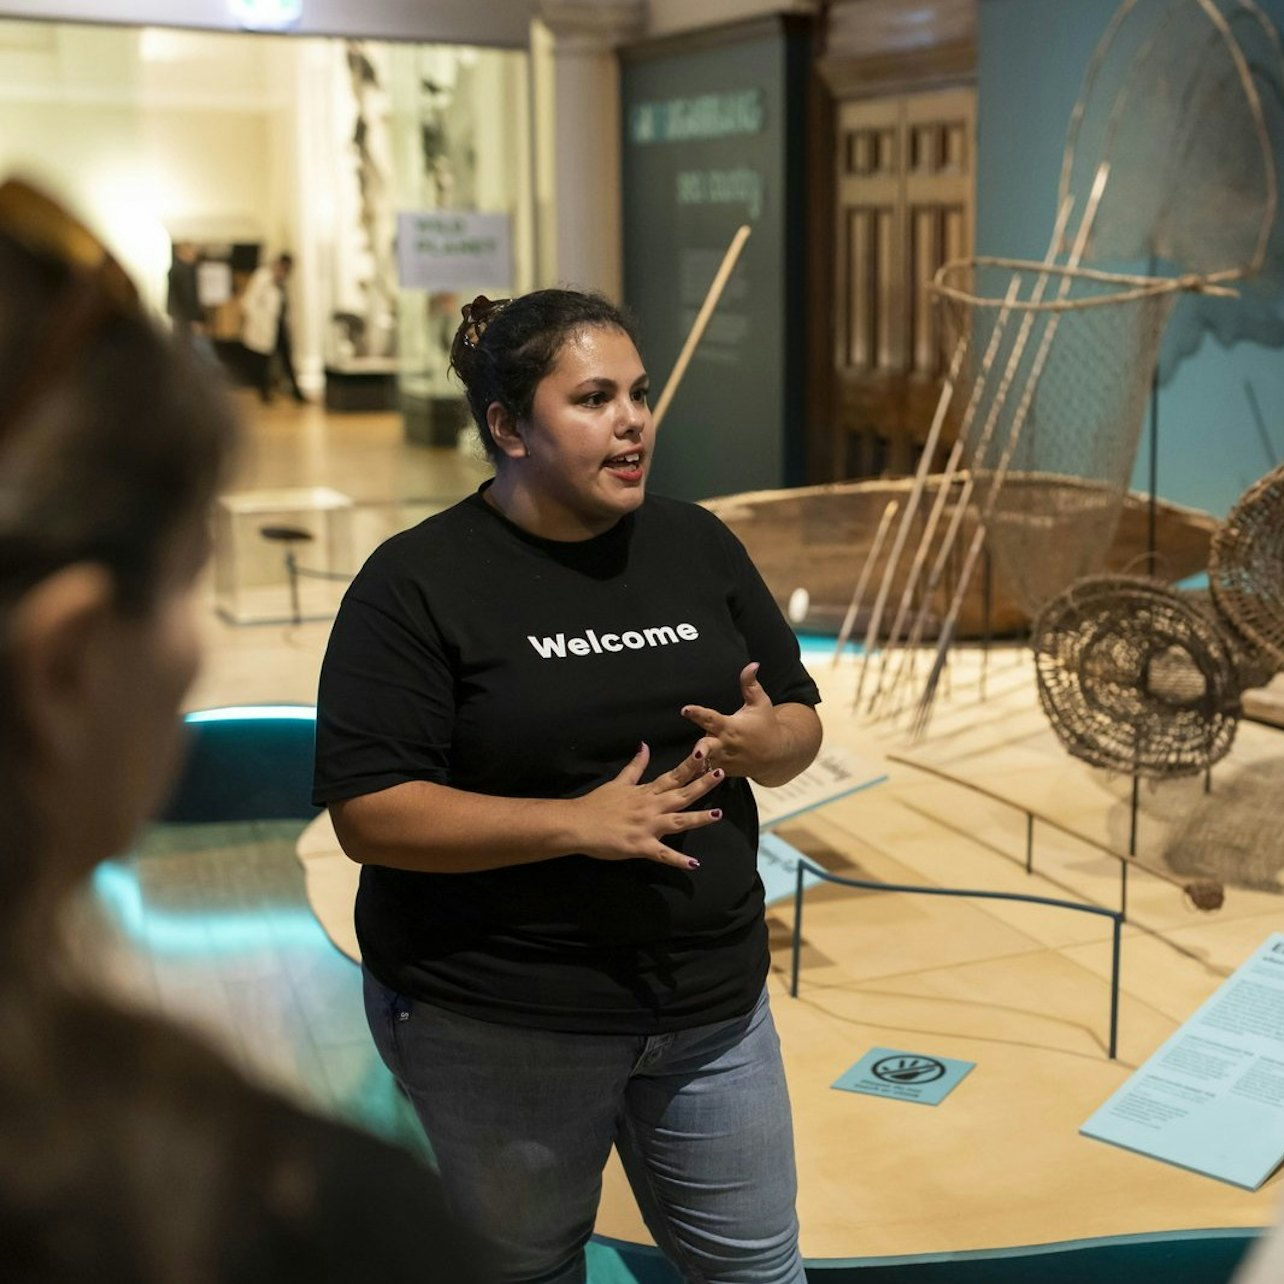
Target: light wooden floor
x: 1020, y: 990
x: 213, y: 924
x: 392, y: 485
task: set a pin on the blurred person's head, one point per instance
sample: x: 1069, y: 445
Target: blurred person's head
x: 282, y: 266
x: 129, y: 1151
x: 112, y: 445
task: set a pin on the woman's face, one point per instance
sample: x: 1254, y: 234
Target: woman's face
x: 146, y: 664
x: 586, y: 445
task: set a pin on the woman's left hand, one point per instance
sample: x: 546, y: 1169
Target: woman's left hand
x: 769, y: 743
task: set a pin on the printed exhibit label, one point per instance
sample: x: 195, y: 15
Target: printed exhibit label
x: 778, y: 869
x: 905, y: 1076
x: 1211, y: 1098
x: 835, y: 774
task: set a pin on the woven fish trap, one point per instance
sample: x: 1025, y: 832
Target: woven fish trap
x: 1135, y: 679
x: 1253, y: 666
x: 1050, y: 398
x: 1246, y: 569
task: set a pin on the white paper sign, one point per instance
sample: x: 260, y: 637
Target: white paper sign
x: 1211, y: 1098
x: 213, y: 282
x: 454, y: 250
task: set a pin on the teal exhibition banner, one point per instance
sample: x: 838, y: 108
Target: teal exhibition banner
x: 1211, y: 1098
x: 714, y: 136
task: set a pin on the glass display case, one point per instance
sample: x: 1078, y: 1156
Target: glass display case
x: 420, y: 129
x: 282, y: 555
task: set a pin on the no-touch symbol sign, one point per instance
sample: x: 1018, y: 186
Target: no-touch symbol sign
x: 905, y: 1076
x: 908, y: 1069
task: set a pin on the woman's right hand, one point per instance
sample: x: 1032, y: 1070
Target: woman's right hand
x: 625, y: 820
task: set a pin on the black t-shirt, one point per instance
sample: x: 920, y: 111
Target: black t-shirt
x: 473, y: 654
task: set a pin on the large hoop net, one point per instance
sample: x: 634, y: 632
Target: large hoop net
x: 1054, y: 408
x: 1180, y: 101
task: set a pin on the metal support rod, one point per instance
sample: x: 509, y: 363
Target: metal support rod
x: 798, y: 904
x: 1134, y: 808
x: 1114, y: 987
x: 987, y: 613
x: 1043, y: 818
x: 1152, y: 549
x: 292, y: 571
x: 1115, y: 916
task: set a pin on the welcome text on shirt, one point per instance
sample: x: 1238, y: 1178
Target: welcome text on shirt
x: 560, y: 646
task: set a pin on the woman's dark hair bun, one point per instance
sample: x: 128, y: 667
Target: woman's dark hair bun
x: 477, y: 315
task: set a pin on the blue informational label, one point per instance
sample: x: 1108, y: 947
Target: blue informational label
x: 778, y: 869
x: 1211, y: 1098
x: 835, y: 774
x: 905, y: 1076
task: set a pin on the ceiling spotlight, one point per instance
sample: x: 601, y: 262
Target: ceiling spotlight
x: 266, y: 15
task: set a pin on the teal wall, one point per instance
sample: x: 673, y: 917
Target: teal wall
x: 1212, y: 442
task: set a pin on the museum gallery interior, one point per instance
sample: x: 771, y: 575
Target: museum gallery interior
x: 965, y: 318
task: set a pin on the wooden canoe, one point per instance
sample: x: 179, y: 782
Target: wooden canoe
x: 817, y: 538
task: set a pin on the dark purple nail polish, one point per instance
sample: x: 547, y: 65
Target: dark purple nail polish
x: 716, y: 813
x: 693, y: 864
x: 717, y: 773
x: 698, y: 754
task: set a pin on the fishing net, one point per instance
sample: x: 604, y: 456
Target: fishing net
x: 1055, y: 389
x: 1168, y: 187
x: 1134, y: 678
x: 1180, y: 102
x: 1246, y: 572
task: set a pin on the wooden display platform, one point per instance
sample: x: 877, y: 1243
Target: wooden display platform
x: 1021, y: 990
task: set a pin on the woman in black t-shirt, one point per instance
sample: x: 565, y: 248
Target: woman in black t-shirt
x: 130, y: 1153
x: 562, y: 927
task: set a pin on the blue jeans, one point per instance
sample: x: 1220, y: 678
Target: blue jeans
x: 521, y: 1122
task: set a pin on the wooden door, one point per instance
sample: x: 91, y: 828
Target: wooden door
x: 904, y: 203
